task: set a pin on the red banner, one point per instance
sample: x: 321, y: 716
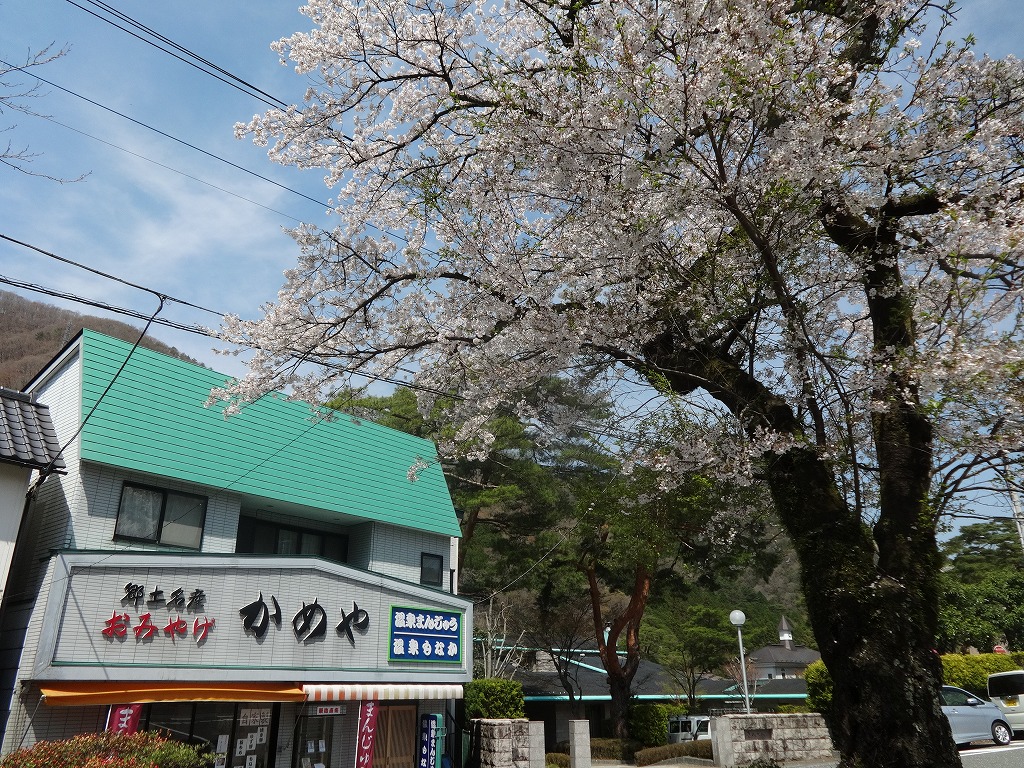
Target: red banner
x: 367, y: 730
x: 124, y: 718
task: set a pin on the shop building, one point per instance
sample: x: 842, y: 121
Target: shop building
x: 269, y: 585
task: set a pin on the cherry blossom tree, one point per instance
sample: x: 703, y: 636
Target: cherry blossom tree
x: 796, y: 222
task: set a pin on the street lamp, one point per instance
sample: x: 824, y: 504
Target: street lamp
x: 738, y: 619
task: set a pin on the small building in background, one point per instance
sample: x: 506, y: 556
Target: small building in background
x: 783, y: 659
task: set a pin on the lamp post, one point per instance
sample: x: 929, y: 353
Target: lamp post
x: 738, y: 619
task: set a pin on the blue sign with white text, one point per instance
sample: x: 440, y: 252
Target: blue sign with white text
x: 421, y: 634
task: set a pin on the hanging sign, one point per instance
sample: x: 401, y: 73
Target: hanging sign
x: 124, y: 718
x: 365, y: 734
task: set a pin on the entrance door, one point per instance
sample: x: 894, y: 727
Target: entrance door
x: 395, y: 743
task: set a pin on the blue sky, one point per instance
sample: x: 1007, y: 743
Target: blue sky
x: 156, y: 212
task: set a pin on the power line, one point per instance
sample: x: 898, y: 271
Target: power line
x: 169, y: 168
x: 103, y: 305
x: 167, y: 135
x: 323, y: 204
x: 108, y: 276
x: 192, y: 58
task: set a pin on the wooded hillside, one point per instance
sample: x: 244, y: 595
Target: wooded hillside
x: 32, y: 332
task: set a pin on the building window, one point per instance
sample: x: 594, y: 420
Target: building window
x: 265, y: 538
x: 431, y: 570
x: 160, y: 516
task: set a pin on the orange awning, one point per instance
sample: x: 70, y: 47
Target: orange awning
x: 79, y: 693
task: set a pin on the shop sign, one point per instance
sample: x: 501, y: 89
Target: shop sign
x: 147, y: 626
x: 327, y: 710
x: 365, y: 734
x: 124, y: 718
x: 421, y: 634
x: 309, y: 622
x: 430, y: 731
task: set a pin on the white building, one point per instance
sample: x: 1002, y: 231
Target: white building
x: 245, y: 583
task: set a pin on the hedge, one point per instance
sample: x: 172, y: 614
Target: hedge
x: 968, y: 671
x: 109, y: 750
x: 701, y: 749
x: 971, y: 671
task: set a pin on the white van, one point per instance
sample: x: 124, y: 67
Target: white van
x: 688, y: 728
x: 1006, y: 691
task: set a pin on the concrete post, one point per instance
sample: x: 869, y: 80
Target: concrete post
x: 537, y: 744
x: 579, y: 744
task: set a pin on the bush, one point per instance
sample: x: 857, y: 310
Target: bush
x: 701, y: 749
x: 819, y: 687
x: 109, y: 750
x: 494, y: 698
x: 793, y: 709
x: 763, y: 762
x: 613, y: 749
x: 556, y: 759
x: 971, y: 671
x: 648, y: 723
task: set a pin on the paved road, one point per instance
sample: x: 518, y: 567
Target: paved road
x: 1010, y: 756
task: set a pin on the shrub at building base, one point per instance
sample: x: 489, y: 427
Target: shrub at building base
x: 494, y: 698
x: 109, y: 750
x: 556, y: 760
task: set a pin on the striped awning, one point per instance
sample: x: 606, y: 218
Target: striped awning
x: 382, y: 692
x: 83, y: 693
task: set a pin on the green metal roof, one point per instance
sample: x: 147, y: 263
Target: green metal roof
x: 154, y: 420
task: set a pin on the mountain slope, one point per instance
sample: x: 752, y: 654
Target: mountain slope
x: 32, y: 333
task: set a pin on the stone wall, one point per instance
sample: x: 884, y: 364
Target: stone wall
x: 740, y: 739
x: 504, y: 743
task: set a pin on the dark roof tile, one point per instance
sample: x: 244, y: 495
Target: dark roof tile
x: 27, y: 436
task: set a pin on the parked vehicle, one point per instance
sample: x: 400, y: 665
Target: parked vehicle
x: 688, y: 728
x: 973, y: 719
x: 1006, y: 691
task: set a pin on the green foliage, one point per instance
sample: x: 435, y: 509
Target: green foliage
x: 982, y: 613
x: 819, y: 687
x: 792, y: 709
x: 763, y: 762
x: 613, y: 749
x: 648, y: 723
x: 109, y: 750
x: 556, y: 760
x: 971, y: 671
x: 983, y: 550
x: 699, y: 749
x: 494, y: 698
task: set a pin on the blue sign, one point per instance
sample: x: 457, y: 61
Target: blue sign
x: 420, y: 634
x: 430, y: 731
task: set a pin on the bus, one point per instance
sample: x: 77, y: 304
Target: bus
x: 1006, y: 691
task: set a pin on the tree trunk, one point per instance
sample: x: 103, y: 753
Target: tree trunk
x: 875, y: 626
x: 620, y: 673
x: 871, y: 595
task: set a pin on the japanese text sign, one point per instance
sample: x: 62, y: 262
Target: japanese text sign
x: 420, y: 634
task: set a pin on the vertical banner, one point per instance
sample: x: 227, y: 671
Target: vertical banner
x: 124, y: 718
x: 430, y: 731
x: 365, y: 734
